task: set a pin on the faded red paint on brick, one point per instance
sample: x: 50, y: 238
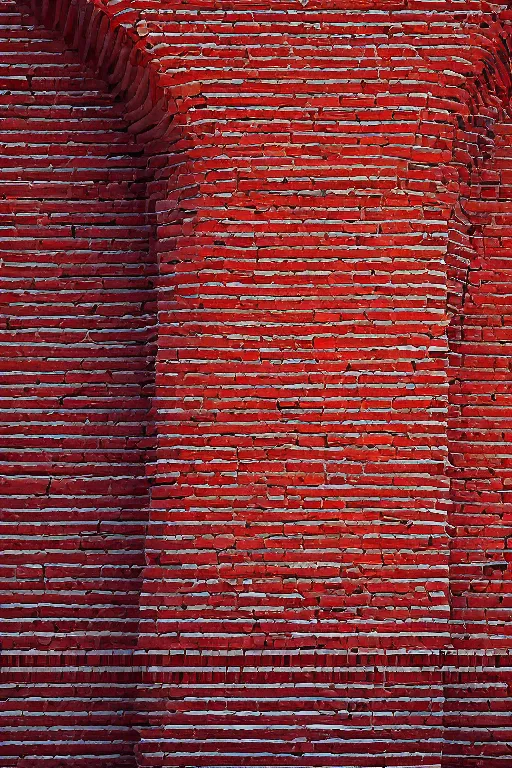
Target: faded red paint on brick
x: 324, y: 189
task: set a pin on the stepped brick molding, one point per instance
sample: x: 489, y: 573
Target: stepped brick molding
x: 255, y: 277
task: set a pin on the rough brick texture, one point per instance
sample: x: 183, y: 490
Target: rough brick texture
x: 320, y: 539
x: 78, y: 311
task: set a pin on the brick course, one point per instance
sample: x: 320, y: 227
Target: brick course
x: 322, y: 191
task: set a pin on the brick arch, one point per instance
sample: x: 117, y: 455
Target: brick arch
x: 116, y: 50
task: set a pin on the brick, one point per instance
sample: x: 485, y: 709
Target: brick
x: 268, y: 525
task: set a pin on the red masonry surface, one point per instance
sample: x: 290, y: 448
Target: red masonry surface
x: 256, y: 391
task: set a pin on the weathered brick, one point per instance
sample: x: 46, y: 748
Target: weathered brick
x: 323, y: 190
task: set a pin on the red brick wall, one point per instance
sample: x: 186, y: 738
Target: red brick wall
x: 477, y: 711
x: 326, y: 555
x: 78, y: 313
